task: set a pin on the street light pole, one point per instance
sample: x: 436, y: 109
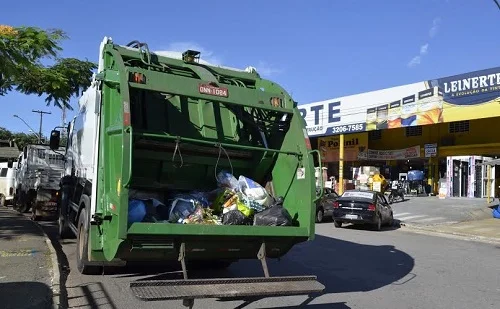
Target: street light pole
x: 41, y: 119
x: 38, y: 136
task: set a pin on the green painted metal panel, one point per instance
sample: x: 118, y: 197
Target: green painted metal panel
x: 141, y: 124
x: 216, y: 230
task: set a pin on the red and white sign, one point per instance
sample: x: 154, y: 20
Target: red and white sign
x: 212, y: 90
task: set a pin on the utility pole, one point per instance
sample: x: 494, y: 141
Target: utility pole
x: 41, y: 120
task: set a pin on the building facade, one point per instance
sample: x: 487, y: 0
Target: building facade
x: 418, y: 126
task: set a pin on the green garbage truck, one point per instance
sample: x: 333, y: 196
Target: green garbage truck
x: 170, y: 158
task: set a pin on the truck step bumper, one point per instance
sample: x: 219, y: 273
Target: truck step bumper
x: 225, y: 288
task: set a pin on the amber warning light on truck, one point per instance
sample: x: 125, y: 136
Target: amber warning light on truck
x: 212, y: 90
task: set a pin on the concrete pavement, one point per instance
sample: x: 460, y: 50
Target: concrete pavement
x: 431, y: 211
x: 487, y: 230
x: 25, y: 263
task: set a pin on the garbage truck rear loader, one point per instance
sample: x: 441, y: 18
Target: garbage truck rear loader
x: 152, y: 138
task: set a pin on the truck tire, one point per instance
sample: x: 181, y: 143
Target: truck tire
x: 63, y: 228
x: 63, y: 225
x: 82, y: 261
x: 2, y: 200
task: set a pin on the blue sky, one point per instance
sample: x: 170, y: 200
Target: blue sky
x: 317, y: 50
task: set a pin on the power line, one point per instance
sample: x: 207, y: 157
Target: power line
x: 497, y: 3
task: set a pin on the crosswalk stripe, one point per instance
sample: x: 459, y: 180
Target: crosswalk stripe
x: 402, y: 214
x: 411, y: 217
x: 430, y: 219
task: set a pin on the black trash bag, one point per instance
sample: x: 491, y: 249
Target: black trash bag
x: 276, y: 215
x: 155, y: 211
x: 234, y: 217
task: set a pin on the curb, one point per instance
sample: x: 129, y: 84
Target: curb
x: 55, y: 274
x: 449, y: 234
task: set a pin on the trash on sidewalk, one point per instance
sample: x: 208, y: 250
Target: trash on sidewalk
x: 496, y: 212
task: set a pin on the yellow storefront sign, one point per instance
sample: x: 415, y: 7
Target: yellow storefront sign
x: 353, y: 144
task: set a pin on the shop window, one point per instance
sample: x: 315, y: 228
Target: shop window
x: 375, y: 135
x: 413, y: 131
x: 459, y: 126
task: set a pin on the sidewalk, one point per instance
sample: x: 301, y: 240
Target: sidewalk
x: 433, y: 211
x: 485, y: 230
x: 25, y: 263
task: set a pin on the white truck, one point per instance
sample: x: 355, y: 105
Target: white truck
x: 39, y: 171
x: 7, y: 179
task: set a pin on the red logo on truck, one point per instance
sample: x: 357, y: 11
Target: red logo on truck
x: 212, y: 90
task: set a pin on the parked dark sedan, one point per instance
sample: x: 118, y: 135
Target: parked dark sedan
x: 324, y: 206
x: 362, y: 207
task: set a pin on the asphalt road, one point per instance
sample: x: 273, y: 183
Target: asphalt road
x: 360, y: 269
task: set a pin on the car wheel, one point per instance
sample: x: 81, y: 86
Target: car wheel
x: 337, y: 224
x: 319, y: 215
x: 378, y: 223
x: 391, y: 220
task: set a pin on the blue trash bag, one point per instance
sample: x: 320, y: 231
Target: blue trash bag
x: 146, y: 210
x: 136, y: 211
x: 496, y: 212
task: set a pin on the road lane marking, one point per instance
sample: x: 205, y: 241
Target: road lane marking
x: 429, y: 219
x: 411, y: 217
x: 402, y: 214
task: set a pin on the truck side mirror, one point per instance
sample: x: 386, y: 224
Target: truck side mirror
x: 10, y: 163
x: 55, y: 139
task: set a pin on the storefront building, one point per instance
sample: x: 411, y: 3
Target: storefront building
x: 416, y: 127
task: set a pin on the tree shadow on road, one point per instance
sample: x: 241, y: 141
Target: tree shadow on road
x: 341, y: 266
x: 396, y: 224
x: 24, y: 295
x: 92, y: 295
x: 14, y: 225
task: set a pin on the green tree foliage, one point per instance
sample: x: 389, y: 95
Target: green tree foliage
x: 21, y: 139
x: 22, y: 50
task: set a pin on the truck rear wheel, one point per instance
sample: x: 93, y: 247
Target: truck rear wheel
x: 82, y: 260
x: 63, y: 224
x: 64, y: 230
